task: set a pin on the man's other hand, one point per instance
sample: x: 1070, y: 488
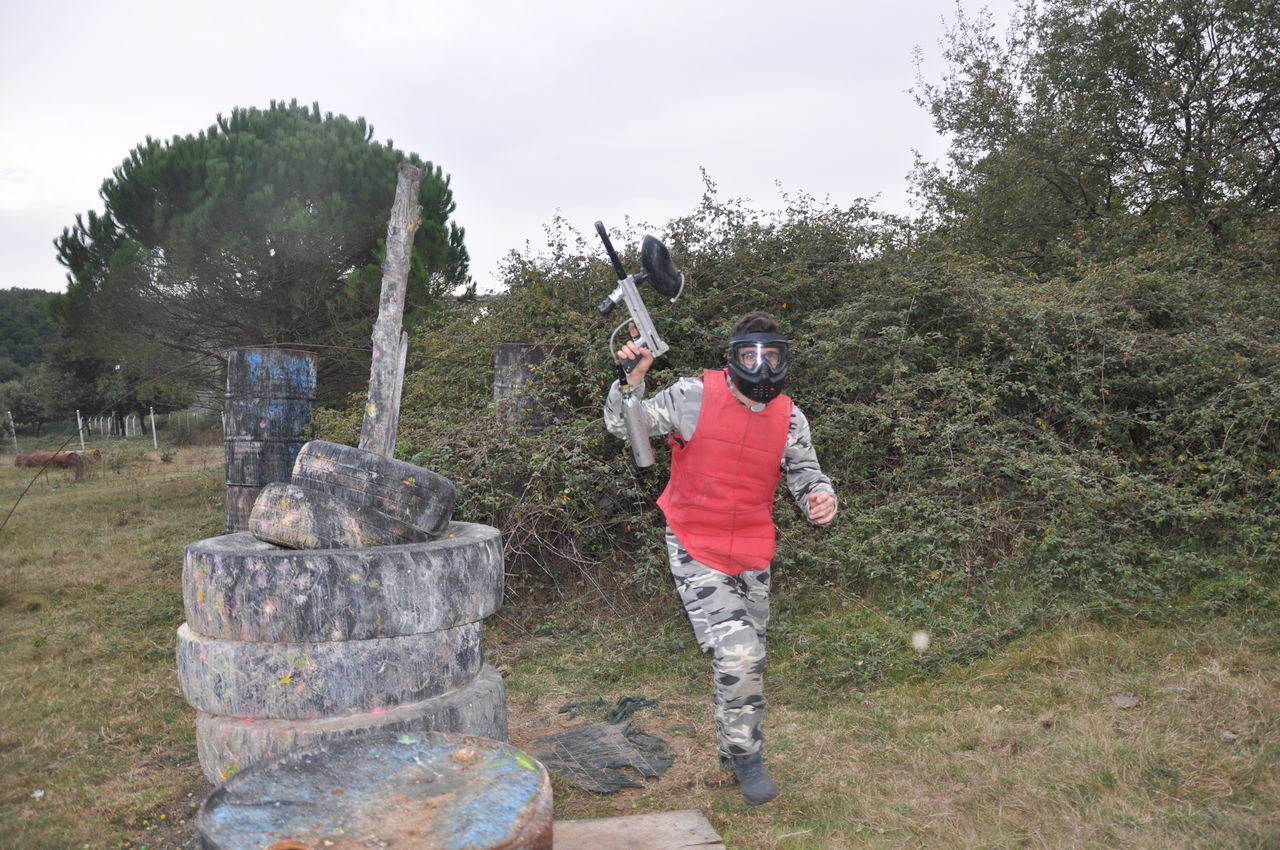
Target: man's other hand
x: 822, y: 508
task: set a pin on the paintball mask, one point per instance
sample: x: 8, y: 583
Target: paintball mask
x: 758, y: 365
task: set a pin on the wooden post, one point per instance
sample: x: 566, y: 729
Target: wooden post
x: 80, y: 429
x: 393, y: 421
x: 14, y: 429
x: 378, y: 431
x: 155, y: 444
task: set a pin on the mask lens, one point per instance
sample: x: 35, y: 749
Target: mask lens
x: 753, y: 356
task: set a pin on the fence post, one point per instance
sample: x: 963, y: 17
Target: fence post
x: 155, y: 444
x: 80, y: 429
x: 14, y: 429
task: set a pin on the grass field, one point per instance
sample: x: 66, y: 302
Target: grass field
x: 1092, y: 732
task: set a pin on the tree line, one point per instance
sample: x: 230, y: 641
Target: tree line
x: 266, y: 228
x: 1088, y: 130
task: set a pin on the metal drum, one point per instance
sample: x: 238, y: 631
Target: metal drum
x: 270, y: 396
x: 515, y: 367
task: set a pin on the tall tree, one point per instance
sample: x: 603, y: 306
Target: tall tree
x: 25, y: 328
x: 1088, y: 110
x: 266, y: 228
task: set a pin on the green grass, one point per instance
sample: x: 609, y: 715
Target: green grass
x: 1005, y: 733
x: 1025, y: 748
x: 94, y: 732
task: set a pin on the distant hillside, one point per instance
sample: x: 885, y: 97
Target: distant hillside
x: 25, y: 327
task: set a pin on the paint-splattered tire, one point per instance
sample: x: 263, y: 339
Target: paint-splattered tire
x: 237, y: 587
x: 316, y: 680
x: 410, y: 494
x: 297, y: 518
x: 227, y: 745
x: 420, y: 789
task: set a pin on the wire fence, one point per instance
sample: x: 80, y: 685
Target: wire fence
x: 177, y: 428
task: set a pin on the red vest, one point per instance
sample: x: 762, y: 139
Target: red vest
x: 719, y: 501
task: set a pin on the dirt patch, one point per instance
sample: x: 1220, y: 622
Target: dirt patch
x: 170, y: 825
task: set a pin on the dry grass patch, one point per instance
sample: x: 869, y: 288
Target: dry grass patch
x: 1034, y: 748
x: 1088, y: 735
x: 94, y: 732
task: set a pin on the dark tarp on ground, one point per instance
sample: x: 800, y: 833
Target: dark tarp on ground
x: 603, y: 757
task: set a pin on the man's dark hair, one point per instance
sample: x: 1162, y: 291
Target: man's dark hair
x: 756, y: 323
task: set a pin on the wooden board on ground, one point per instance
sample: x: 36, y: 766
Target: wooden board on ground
x: 660, y: 831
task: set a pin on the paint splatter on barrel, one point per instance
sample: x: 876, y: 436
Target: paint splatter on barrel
x: 425, y: 789
x: 271, y: 393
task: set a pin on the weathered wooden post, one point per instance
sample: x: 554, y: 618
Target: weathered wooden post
x: 390, y: 345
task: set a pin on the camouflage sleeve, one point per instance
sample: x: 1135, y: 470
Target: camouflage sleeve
x: 674, y: 409
x: 800, y: 462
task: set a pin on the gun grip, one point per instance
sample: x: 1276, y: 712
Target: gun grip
x: 625, y: 365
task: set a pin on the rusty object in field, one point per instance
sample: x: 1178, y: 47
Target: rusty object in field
x: 64, y: 460
x: 400, y: 790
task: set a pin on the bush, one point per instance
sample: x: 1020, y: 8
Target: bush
x: 1110, y: 434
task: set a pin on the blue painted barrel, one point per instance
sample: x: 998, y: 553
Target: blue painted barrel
x: 425, y: 789
x: 271, y: 393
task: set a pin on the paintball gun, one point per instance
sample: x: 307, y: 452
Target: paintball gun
x: 660, y: 272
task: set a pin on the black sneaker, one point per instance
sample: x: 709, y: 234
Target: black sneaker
x: 755, y: 783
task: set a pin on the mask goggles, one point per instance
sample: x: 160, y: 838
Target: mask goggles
x: 758, y: 364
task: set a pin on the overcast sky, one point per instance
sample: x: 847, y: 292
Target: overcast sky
x: 593, y: 110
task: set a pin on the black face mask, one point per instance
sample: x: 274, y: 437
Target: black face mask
x: 758, y: 365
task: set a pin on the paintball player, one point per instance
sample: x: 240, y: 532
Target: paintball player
x: 732, y: 435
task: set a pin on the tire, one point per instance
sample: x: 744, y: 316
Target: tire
x: 236, y: 587
x: 285, y: 681
x: 292, y: 516
x: 227, y: 745
x: 477, y: 793
x: 411, y: 494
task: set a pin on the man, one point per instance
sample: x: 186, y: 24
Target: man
x: 733, y: 435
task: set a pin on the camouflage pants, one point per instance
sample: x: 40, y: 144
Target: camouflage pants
x: 729, y: 615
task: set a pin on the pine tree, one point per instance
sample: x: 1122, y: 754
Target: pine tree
x: 266, y: 228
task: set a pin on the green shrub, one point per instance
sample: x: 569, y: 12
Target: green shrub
x: 1108, y: 435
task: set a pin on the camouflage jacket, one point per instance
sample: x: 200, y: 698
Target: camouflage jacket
x: 676, y: 409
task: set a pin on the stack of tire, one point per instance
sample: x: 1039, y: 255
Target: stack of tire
x: 353, y: 606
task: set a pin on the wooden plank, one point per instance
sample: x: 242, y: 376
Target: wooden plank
x: 659, y: 831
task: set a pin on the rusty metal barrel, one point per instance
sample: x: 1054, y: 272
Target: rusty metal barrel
x: 422, y: 789
x: 515, y: 384
x: 271, y: 393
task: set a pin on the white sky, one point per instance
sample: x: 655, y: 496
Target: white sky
x: 596, y: 110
